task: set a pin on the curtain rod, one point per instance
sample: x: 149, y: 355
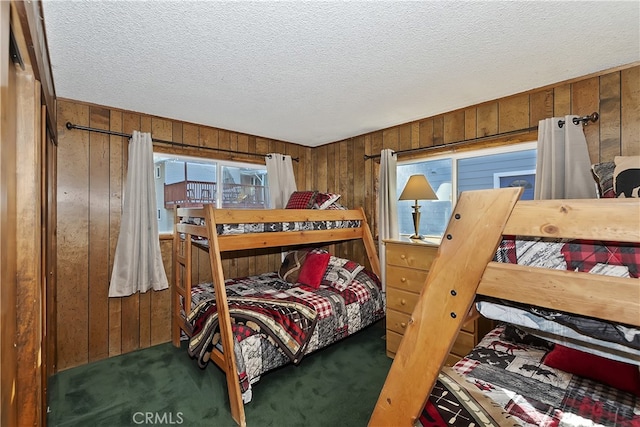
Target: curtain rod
x: 576, y: 120
x: 70, y: 126
x: 456, y: 143
x: 585, y: 120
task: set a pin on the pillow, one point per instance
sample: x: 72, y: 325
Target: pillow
x: 340, y: 273
x: 291, y: 265
x: 620, y: 375
x: 626, y: 176
x: 583, y: 255
x: 324, y: 200
x: 604, y: 176
x: 301, y: 200
x: 516, y: 335
x: 335, y: 206
x: 313, y: 269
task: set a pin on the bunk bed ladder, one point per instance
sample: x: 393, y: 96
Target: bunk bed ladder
x: 443, y: 304
x: 182, y: 276
x: 227, y: 361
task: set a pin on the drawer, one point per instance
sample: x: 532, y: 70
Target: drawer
x: 397, y: 321
x: 402, y: 301
x: 463, y: 345
x: 451, y: 359
x: 470, y: 326
x: 393, y: 342
x: 414, y: 256
x: 406, y: 278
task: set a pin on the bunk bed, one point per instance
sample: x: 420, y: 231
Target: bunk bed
x: 467, y: 270
x: 358, y: 300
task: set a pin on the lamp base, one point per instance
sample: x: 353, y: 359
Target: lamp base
x: 416, y: 237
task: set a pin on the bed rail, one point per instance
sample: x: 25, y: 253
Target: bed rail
x: 464, y: 268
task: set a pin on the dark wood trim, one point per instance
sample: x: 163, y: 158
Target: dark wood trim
x: 32, y: 21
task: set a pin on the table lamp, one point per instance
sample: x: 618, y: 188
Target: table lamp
x: 417, y: 188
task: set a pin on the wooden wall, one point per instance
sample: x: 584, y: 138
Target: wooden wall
x: 615, y: 95
x: 26, y: 240
x: 91, y: 176
x: 92, y: 168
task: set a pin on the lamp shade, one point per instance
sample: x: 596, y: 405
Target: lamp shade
x: 417, y: 188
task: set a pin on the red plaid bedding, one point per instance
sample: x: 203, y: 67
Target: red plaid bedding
x: 338, y: 313
x: 511, y: 373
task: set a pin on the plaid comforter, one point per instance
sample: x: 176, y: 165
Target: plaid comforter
x: 326, y: 315
x: 288, y: 324
x: 511, y: 373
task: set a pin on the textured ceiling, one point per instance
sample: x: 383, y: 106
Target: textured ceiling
x: 322, y: 71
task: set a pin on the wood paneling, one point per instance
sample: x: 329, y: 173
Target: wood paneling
x: 630, y: 105
x: 8, y: 226
x: 91, y: 177
x: 29, y: 295
x: 27, y: 236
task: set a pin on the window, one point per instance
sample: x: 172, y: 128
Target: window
x: 192, y: 182
x: 450, y: 174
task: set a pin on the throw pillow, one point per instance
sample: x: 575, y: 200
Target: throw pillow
x: 291, y: 265
x: 604, y: 176
x: 340, y: 273
x: 301, y: 200
x: 335, y: 206
x: 584, y: 255
x: 620, y: 375
x: 626, y: 176
x: 324, y: 200
x: 313, y: 269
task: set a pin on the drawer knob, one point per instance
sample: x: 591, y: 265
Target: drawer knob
x: 403, y: 325
x: 403, y: 279
x: 403, y: 301
x: 403, y: 256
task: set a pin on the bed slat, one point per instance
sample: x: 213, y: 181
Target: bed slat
x: 598, y: 219
x: 561, y: 290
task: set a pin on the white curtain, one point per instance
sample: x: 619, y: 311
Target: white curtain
x: 563, y: 167
x: 137, y: 265
x: 387, y: 206
x: 282, y: 182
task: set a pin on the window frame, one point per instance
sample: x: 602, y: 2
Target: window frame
x: 455, y: 156
x: 219, y: 166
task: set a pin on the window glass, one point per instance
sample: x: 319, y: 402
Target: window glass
x: 480, y: 172
x: 451, y: 174
x: 191, y: 182
x: 434, y: 213
x: 244, y: 187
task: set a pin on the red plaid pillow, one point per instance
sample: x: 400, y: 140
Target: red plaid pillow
x: 301, y: 200
x: 583, y: 255
x: 324, y: 200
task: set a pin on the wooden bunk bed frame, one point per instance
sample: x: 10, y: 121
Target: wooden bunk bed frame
x: 464, y: 268
x: 233, y: 242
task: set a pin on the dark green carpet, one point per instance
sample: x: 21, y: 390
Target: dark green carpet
x: 336, y: 386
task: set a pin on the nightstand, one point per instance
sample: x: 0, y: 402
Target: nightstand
x: 407, y: 266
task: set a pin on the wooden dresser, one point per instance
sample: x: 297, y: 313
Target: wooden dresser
x: 407, y: 267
